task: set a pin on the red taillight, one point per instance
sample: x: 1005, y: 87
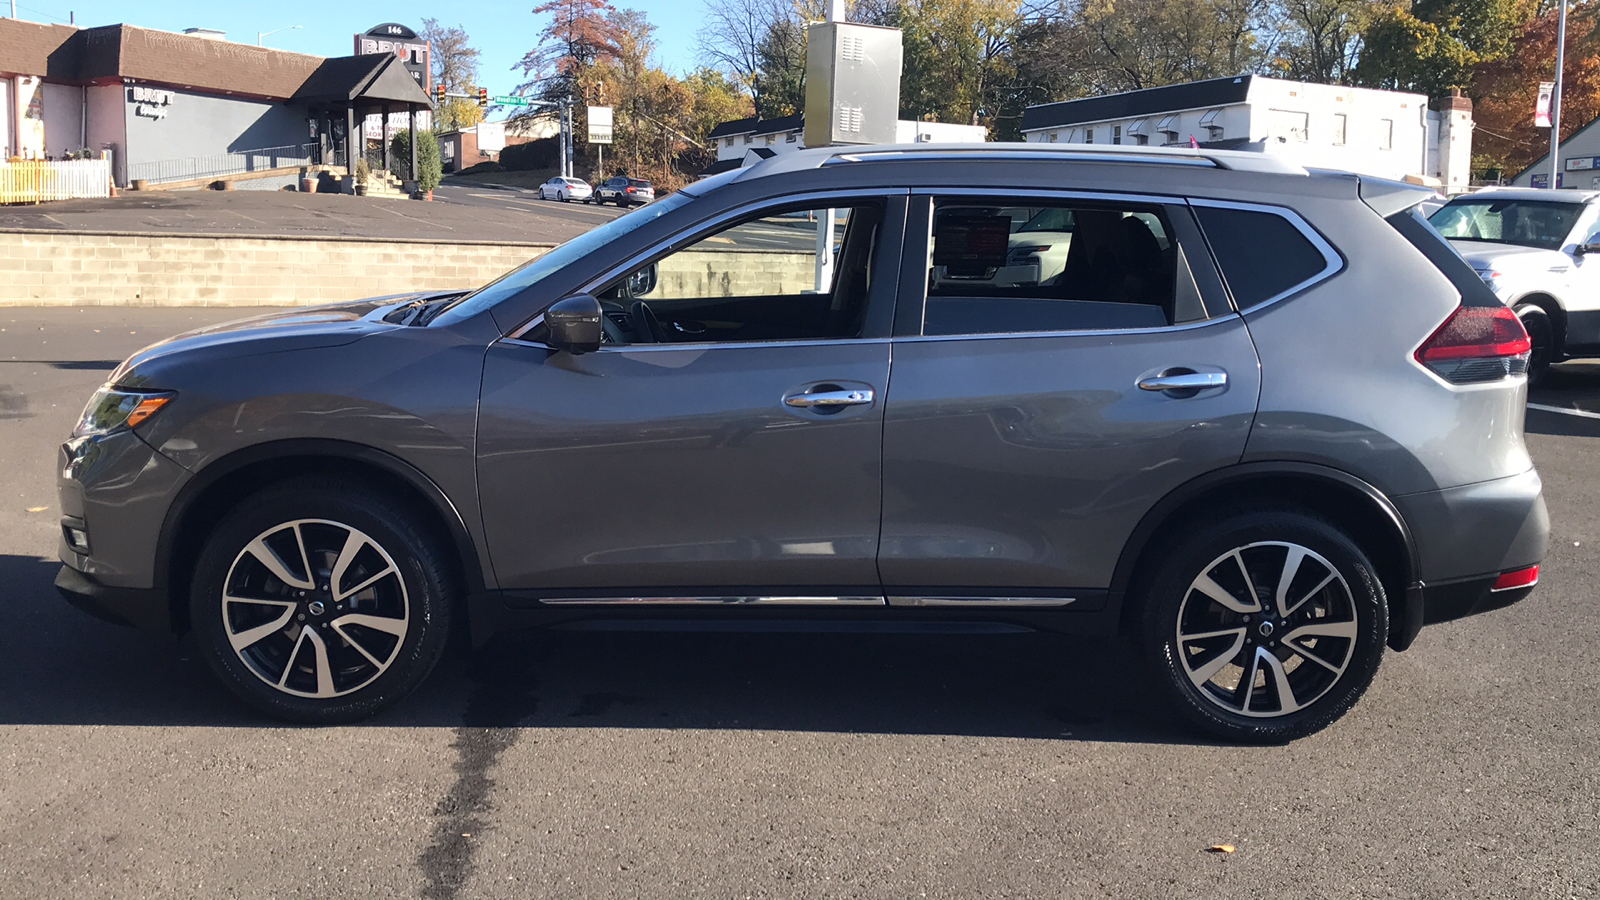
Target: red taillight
x: 1477, y: 343
x: 1517, y: 578
x: 631, y: 190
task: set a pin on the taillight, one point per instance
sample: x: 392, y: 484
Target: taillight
x: 1477, y: 344
x: 631, y: 190
x: 1517, y: 578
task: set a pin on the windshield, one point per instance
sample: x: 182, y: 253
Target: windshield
x: 520, y: 279
x: 1528, y: 223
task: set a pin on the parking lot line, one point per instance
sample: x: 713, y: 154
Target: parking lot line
x: 1564, y: 410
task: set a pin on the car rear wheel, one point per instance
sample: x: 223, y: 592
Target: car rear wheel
x: 1542, y: 337
x: 321, y: 601
x: 1265, y: 626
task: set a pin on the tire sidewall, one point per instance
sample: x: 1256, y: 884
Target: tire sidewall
x: 394, y: 529
x: 1191, y: 556
x: 1542, y: 329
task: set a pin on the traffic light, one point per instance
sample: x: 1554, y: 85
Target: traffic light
x: 483, y: 98
x: 438, y: 93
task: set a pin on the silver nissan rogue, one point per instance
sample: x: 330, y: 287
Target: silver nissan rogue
x: 1264, y: 423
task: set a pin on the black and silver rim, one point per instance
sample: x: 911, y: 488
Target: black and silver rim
x: 315, y: 608
x: 1267, y: 629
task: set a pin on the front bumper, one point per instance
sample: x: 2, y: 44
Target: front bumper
x: 143, y: 608
x: 115, y: 489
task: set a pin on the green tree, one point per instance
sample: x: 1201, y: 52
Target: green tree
x: 430, y: 167
x: 455, y: 65
x: 1433, y: 46
x: 1321, y: 40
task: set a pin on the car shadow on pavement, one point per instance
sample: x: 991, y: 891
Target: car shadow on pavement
x: 63, y: 667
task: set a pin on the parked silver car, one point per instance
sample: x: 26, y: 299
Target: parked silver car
x: 1265, y: 438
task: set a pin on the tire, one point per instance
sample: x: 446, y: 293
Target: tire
x: 1201, y: 628
x: 321, y: 656
x: 1542, y: 334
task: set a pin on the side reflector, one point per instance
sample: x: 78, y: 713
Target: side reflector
x: 1517, y: 578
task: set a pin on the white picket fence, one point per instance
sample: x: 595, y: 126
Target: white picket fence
x: 36, y: 181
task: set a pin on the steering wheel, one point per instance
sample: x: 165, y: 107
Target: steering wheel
x: 646, y: 327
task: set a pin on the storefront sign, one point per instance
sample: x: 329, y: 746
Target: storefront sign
x: 600, y: 122
x: 151, y: 103
x: 402, y: 42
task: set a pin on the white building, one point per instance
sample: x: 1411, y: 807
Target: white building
x: 1388, y: 134
x: 770, y: 136
x: 1580, y: 163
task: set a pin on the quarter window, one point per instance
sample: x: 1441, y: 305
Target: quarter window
x: 1049, y: 267
x: 1262, y: 254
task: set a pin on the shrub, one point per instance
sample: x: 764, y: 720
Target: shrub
x: 430, y: 168
x: 544, y: 153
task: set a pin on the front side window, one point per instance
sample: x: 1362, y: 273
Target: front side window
x: 758, y: 280
x: 1528, y: 223
x: 1068, y: 266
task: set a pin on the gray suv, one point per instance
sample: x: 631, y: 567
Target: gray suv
x: 1261, y: 422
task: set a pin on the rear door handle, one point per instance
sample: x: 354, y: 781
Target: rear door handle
x: 829, y: 399
x: 1185, y: 381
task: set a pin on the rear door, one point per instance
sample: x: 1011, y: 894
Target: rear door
x: 1030, y: 426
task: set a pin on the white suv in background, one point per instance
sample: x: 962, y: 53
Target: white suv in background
x: 1539, y: 251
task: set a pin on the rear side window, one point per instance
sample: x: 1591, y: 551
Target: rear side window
x: 1262, y: 254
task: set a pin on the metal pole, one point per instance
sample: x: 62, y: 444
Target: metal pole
x: 1555, y: 99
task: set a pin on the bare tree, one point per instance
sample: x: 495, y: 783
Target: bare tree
x: 737, y: 39
x: 455, y: 65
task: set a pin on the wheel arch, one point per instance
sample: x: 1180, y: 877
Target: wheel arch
x: 1557, y: 313
x: 1365, y: 513
x: 212, y: 492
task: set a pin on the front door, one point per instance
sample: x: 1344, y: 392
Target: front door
x: 1032, y: 423
x: 726, y: 441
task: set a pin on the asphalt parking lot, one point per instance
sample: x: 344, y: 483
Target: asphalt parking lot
x: 771, y: 765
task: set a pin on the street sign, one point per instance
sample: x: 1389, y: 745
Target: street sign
x: 600, y: 122
x: 511, y: 101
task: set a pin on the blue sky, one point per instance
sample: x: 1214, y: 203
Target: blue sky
x: 503, y: 30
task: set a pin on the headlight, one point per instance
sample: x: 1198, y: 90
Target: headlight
x: 112, y: 409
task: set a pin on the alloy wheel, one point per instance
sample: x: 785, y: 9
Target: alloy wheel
x: 1267, y: 629
x: 315, y: 608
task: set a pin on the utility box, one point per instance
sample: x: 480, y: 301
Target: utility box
x: 852, y: 84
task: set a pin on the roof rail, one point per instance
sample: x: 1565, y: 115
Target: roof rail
x: 1235, y: 160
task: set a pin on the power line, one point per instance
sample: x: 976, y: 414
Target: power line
x: 41, y: 12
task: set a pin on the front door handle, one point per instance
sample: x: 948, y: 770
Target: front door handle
x: 829, y: 399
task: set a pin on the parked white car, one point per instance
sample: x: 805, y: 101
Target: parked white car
x: 1539, y: 251
x: 565, y: 189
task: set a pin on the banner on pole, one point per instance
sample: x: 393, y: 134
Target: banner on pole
x: 1541, y: 111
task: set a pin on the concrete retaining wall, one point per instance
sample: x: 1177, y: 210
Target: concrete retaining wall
x: 727, y: 273
x: 59, y: 269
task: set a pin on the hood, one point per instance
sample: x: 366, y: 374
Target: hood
x: 297, y: 328
x: 1481, y: 254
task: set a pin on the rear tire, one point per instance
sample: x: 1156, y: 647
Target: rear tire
x: 322, y: 600
x: 1542, y: 335
x: 1241, y: 662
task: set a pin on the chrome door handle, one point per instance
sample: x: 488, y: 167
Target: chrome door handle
x: 827, y: 399
x: 1187, y: 381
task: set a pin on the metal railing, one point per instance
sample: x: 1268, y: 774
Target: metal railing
x: 37, y: 181
x: 165, y: 170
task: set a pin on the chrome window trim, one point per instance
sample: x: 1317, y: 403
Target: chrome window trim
x: 1083, y: 332
x: 1334, y: 261
x: 984, y: 602
x: 868, y: 600
x: 705, y: 228
x: 699, y: 345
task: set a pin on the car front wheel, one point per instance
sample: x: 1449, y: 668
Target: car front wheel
x: 1541, y: 337
x: 1265, y: 626
x: 321, y: 600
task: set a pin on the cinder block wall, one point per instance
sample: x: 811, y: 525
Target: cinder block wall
x: 45, y: 269
x: 734, y: 273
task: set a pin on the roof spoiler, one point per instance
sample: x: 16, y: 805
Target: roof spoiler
x: 1388, y: 197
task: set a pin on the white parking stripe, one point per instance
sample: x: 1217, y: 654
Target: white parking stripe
x: 1564, y: 410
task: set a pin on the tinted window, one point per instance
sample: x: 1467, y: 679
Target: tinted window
x: 1261, y: 254
x: 1069, y: 267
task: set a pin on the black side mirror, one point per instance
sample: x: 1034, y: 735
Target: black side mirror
x: 574, y: 324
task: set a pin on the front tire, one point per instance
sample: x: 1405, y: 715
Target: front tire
x: 1542, y: 335
x: 322, y: 600
x: 1265, y: 626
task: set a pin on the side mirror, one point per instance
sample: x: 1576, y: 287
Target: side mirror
x: 574, y: 324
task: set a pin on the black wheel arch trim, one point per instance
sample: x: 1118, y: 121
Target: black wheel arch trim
x: 460, y: 536
x: 1405, y: 611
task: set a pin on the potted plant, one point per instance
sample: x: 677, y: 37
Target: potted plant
x: 363, y: 176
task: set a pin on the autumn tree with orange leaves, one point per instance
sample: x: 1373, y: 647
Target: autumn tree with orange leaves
x: 1504, y: 91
